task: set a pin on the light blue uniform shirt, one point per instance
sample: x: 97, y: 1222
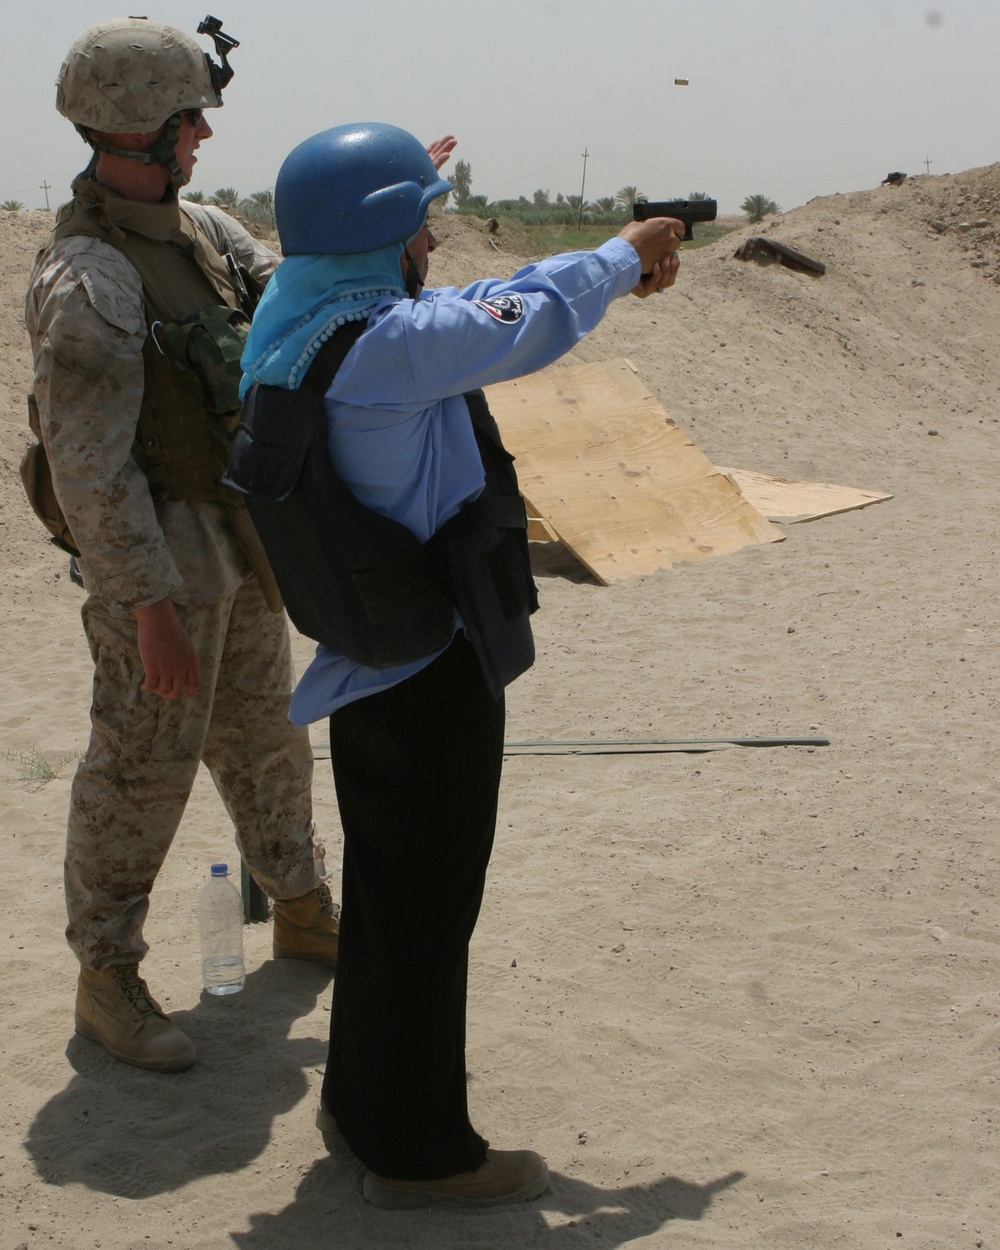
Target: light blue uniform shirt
x: 400, y: 433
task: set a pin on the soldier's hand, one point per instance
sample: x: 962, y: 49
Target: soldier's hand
x: 656, y: 240
x: 169, y: 660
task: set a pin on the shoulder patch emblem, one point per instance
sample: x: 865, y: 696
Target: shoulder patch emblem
x: 503, y: 307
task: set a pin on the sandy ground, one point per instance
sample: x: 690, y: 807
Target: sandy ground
x: 747, y: 997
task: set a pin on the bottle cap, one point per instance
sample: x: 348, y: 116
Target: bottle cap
x: 220, y: 870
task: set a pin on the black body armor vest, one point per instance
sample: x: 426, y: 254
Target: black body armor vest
x: 363, y: 584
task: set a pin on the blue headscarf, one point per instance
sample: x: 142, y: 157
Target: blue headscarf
x: 306, y: 300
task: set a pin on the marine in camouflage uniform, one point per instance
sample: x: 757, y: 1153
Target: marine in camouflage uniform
x: 190, y: 647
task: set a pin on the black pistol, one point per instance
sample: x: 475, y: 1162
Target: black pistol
x: 688, y: 211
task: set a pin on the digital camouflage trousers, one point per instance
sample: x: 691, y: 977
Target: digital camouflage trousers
x: 132, y: 785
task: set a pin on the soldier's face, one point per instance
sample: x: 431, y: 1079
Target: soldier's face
x: 194, y: 129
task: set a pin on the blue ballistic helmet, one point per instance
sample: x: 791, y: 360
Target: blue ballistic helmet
x: 354, y: 188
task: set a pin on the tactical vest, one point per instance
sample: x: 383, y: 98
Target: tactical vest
x: 363, y: 584
x: 181, y: 441
x: 191, y: 359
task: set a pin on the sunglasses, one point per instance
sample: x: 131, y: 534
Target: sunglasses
x: 193, y: 116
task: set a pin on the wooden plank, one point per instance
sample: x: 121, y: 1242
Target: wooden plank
x: 626, y: 490
x: 791, y: 502
x: 540, y: 531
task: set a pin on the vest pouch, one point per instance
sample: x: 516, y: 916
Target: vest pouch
x: 36, y: 475
x: 206, y: 348
x: 495, y: 594
x: 487, y: 549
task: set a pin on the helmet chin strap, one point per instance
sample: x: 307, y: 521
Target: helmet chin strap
x: 161, y: 152
x: 413, y: 280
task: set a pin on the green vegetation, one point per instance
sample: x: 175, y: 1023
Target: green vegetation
x: 757, y: 207
x: 627, y: 197
x: 11, y: 206
x: 256, y: 208
x: 543, y: 225
x: 461, y: 180
x: 34, y: 768
x: 225, y: 197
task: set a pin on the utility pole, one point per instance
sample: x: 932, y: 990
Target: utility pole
x: 45, y: 187
x: 579, y: 218
x: 927, y: 163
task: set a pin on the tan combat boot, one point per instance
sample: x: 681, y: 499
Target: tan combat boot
x: 115, y: 1008
x: 307, y: 927
x: 503, y: 1176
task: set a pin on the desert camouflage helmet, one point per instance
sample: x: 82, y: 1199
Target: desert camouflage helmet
x: 129, y: 75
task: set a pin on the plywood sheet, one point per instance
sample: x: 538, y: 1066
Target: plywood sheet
x: 789, y: 502
x: 624, y: 488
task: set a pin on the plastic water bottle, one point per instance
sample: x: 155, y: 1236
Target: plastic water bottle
x: 319, y: 856
x: 220, y: 913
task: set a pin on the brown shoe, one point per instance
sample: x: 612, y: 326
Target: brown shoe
x: 115, y: 1008
x: 504, y: 1176
x: 307, y: 927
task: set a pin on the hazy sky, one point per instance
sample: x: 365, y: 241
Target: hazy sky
x: 787, y: 98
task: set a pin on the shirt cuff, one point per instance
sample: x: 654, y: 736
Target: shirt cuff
x: 625, y: 259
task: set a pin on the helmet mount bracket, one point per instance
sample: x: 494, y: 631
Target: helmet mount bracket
x: 224, y: 44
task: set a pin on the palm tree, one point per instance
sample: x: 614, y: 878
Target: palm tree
x: 259, y: 208
x: 226, y: 197
x: 757, y: 207
x: 461, y: 183
x: 627, y: 198
x: 699, y: 195
x: 11, y: 206
x: 196, y: 197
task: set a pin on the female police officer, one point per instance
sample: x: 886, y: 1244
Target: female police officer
x: 391, y: 516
